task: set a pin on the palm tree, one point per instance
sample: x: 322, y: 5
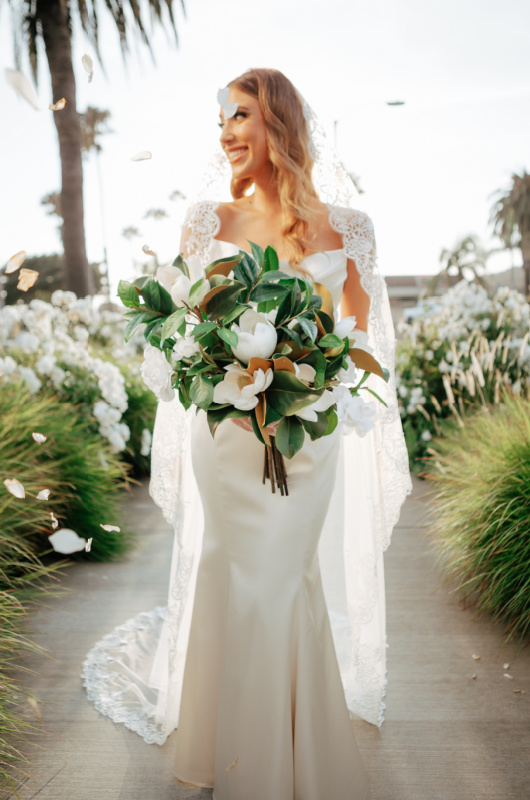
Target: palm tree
x: 510, y: 217
x: 51, y: 21
x: 467, y: 260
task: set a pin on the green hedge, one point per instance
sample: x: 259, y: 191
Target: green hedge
x: 481, y: 511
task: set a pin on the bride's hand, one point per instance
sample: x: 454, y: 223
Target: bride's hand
x: 246, y: 424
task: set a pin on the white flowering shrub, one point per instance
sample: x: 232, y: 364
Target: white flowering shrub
x: 460, y: 356
x: 77, y: 351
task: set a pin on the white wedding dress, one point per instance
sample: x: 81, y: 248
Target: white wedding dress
x: 257, y: 660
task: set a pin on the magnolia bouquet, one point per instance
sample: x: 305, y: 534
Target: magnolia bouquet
x: 243, y: 339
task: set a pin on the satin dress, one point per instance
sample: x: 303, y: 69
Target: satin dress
x: 263, y: 714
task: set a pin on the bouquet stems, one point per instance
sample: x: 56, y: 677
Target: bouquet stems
x: 274, y: 468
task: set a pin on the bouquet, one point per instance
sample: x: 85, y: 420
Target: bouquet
x: 244, y: 339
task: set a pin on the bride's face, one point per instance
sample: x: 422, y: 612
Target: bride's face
x: 243, y: 137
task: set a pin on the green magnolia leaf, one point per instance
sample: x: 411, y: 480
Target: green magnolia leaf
x: 333, y: 421
x: 247, y: 271
x: 271, y: 260
x: 139, y: 282
x: 201, y: 392
x: 195, y: 292
x: 172, y: 323
x: 330, y: 340
x: 224, y: 301
x: 274, y: 275
x: 230, y: 337
x: 135, y: 322
x: 203, y: 328
x: 156, y: 297
x: 327, y: 322
x: 234, y: 314
x: 287, y: 394
x: 367, y: 389
x: 181, y: 264
x: 289, y: 436
x: 258, y: 253
x: 308, y: 327
x: 220, y: 280
x: 128, y: 294
x: 150, y: 329
x: 271, y: 415
x: 268, y: 291
x: 316, y: 429
x: 218, y: 415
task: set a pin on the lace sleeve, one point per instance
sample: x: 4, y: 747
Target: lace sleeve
x: 201, y: 225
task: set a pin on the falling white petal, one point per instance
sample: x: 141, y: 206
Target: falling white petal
x: 15, y: 261
x: 58, y: 106
x: 43, y: 494
x: 475, y: 657
x: 55, y: 523
x: 66, y: 541
x: 26, y: 279
x: 18, y: 81
x: 506, y: 666
x: 147, y: 250
x: 88, y: 65
x: 110, y: 528
x: 222, y: 96
x: 15, y: 487
x: 36, y: 708
x: 507, y: 675
x: 89, y: 544
x: 230, y: 109
x: 143, y: 155
x: 39, y: 437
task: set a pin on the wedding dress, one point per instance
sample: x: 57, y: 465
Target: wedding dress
x: 275, y: 623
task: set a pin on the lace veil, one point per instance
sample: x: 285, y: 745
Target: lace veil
x: 373, y: 480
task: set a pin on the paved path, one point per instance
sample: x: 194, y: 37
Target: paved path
x: 445, y: 735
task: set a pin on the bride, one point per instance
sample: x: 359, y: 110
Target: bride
x: 274, y: 635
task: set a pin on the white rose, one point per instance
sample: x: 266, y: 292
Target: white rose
x: 185, y: 348
x: 157, y: 372
x: 240, y: 389
x: 348, y: 375
x: 353, y: 412
x: 256, y: 336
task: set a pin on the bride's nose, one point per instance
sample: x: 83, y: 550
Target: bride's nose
x: 226, y: 134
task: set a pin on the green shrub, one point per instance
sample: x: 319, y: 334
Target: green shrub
x: 481, y: 509
x: 139, y: 416
x: 75, y: 463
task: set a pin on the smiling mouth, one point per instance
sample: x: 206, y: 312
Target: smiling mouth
x: 234, y: 155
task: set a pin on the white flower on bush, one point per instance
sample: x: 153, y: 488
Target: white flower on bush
x: 111, y: 382
x: 185, y: 347
x: 353, y: 412
x: 26, y: 341
x: 8, y: 365
x: 145, y: 443
x: 256, y: 336
x: 157, y: 372
x: 240, y: 389
x: 110, y: 427
x: 322, y: 404
x: 178, y: 284
x: 27, y: 374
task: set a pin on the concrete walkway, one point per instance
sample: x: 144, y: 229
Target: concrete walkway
x: 446, y: 736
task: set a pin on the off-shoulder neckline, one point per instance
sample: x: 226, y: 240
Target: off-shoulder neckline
x: 285, y: 260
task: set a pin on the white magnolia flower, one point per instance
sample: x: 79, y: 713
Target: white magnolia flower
x: 305, y: 373
x: 322, y: 404
x: 66, y: 541
x: 241, y: 389
x: 256, y: 336
x: 353, y: 412
x: 157, y: 372
x: 344, y: 327
x: 185, y: 347
x: 179, y: 285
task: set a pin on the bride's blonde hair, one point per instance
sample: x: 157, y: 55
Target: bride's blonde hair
x: 288, y: 143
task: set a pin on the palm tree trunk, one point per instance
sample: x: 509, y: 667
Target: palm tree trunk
x: 57, y: 40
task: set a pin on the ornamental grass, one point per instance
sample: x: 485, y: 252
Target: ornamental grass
x: 83, y: 477
x: 480, y: 476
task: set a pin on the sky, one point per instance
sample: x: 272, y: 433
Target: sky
x: 428, y: 168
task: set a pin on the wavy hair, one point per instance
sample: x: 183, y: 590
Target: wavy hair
x: 288, y: 142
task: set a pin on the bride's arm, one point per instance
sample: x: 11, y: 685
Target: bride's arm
x: 355, y: 302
